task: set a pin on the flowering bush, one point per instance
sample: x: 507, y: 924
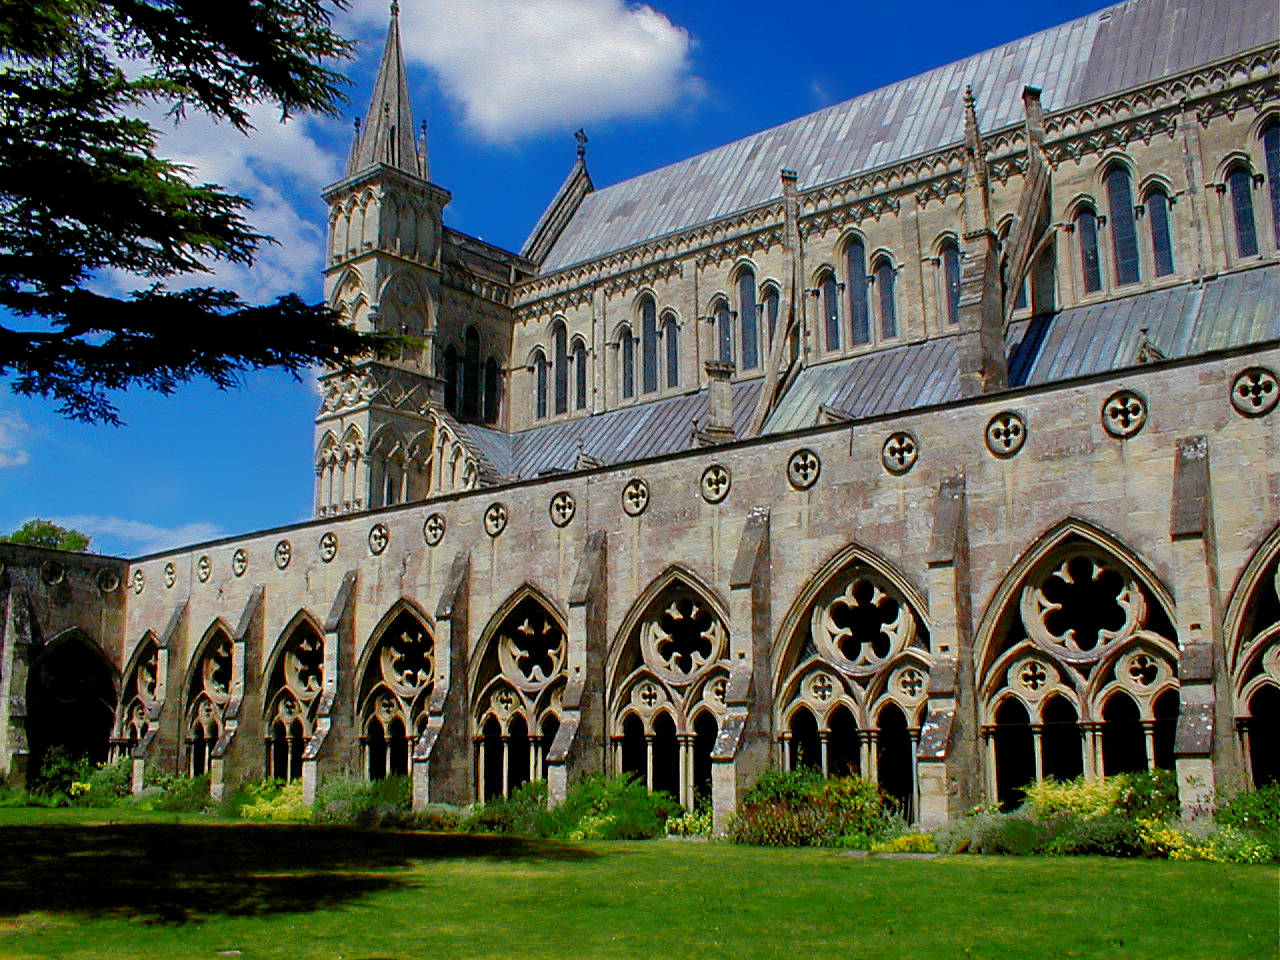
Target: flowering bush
x: 694, y: 823
x: 907, y: 843
x: 271, y: 800
x: 801, y: 808
x: 1227, y: 844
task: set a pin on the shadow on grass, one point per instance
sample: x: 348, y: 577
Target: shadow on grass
x: 177, y: 873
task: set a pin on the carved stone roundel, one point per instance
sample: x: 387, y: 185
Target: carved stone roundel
x: 239, y: 562
x: 1006, y: 433
x: 635, y: 497
x: 716, y: 481
x: 1083, y: 606
x: 204, y: 567
x: 803, y: 469
x: 139, y: 581
x: 379, y: 537
x: 900, y: 452
x: 108, y: 581
x: 1124, y: 414
x: 495, y: 519
x: 1255, y: 392
x: 283, y: 554
x: 170, y: 575
x: 328, y: 546
x: 52, y: 572
x: 433, y: 529
x: 562, y: 508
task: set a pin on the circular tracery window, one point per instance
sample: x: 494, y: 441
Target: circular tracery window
x: 862, y: 622
x: 681, y: 637
x: 1083, y: 606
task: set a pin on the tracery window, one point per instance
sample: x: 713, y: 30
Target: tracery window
x: 885, y: 276
x: 949, y: 262
x: 829, y: 300
x: 580, y: 374
x: 1157, y: 209
x: 667, y: 692
x: 1255, y: 672
x: 139, y: 700
x: 671, y: 343
x: 1124, y: 231
x: 854, y: 682
x: 1271, y: 154
x: 859, y: 309
x: 1086, y: 230
x: 292, y: 700
x: 471, y: 373
x: 626, y: 363
x: 748, y: 319
x: 560, y: 364
x: 539, y: 384
x: 207, y: 699
x: 1082, y: 675
x: 648, y: 344
x: 395, y: 691
x: 519, y: 697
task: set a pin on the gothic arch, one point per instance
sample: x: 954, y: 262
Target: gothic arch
x: 402, y: 605
x: 277, y: 649
x: 72, y: 693
x: 488, y: 636
x: 1252, y: 630
x: 292, y: 683
x: 207, y: 692
x: 140, y: 694
x: 394, y: 689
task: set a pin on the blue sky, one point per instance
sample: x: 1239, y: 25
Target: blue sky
x: 502, y: 85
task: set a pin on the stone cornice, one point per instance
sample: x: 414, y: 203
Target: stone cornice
x: 1248, y: 80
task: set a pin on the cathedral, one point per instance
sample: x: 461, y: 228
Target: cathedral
x: 930, y: 437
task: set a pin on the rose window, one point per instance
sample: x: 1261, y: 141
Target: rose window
x: 864, y: 625
x: 683, y: 637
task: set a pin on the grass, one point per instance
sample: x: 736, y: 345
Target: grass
x: 106, y: 884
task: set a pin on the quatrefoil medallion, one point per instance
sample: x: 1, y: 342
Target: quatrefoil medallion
x: 1124, y: 414
x: 1006, y: 433
x: 379, y: 537
x: 1255, y: 392
x: 900, y: 452
x: 283, y: 554
x: 715, y: 484
x: 433, y: 529
x: 803, y: 469
x: 328, y: 547
x: 635, y: 497
x: 495, y: 519
x: 239, y: 562
x: 562, y: 508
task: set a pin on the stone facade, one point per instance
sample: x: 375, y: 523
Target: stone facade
x: 1001, y: 579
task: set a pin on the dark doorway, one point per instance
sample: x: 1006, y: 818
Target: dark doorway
x: 517, y: 753
x: 550, y: 727
x: 893, y: 759
x: 1264, y: 723
x: 376, y: 748
x: 844, y: 758
x: 71, y: 703
x: 1015, y: 754
x: 1124, y: 744
x: 398, y: 749
x: 491, y: 775
x: 666, y: 755
x: 279, y: 751
x: 634, y: 755
x: 1061, y: 742
x: 705, y: 731
x: 806, y: 744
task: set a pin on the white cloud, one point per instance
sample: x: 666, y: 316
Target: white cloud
x: 13, y: 435
x: 133, y: 538
x: 519, y: 68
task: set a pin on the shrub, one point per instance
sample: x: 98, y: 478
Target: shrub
x: 783, y: 825
x: 1081, y: 798
x: 177, y: 794
x: 349, y: 799
x: 272, y: 800
x: 1228, y: 844
x: 1257, y: 812
x: 802, y: 808
x: 612, y: 808
x: 1112, y: 835
x: 1152, y: 794
x: 789, y: 787
x: 107, y: 785
x: 694, y: 823
x: 1018, y: 833
x: 58, y: 771
x: 524, y: 812
x: 907, y: 843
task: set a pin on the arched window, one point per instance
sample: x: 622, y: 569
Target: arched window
x: 748, y: 322
x: 724, y: 330
x: 539, y: 384
x: 471, y: 373
x: 450, y: 372
x: 648, y: 344
x: 885, y: 274
x: 580, y: 374
x: 1086, y: 227
x: 772, y: 305
x: 859, y: 312
x: 1124, y: 231
x: 1240, y: 186
x: 949, y: 261
x: 829, y: 298
x: 491, y: 397
x: 1157, y: 207
x: 626, y: 362
x: 671, y: 340
x: 1271, y: 152
x: 560, y: 361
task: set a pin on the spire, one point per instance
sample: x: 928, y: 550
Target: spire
x: 388, y: 135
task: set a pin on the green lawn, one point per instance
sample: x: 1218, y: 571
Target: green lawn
x: 160, y: 886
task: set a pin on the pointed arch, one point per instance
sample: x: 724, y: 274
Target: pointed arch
x: 396, y: 674
x: 1252, y: 628
x: 528, y: 592
x: 72, y: 693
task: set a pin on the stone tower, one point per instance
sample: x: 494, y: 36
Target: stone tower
x: 374, y: 430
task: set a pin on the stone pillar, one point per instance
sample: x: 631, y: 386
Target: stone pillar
x: 442, y: 765
x: 719, y: 426
x: 337, y: 633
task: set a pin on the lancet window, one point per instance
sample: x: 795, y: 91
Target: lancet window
x: 626, y: 363
x: 671, y: 343
x: 1271, y: 157
x: 1124, y: 230
x: 395, y: 692
x: 139, y: 700
x: 519, y: 690
x: 829, y: 303
x: 1086, y: 231
x: 580, y: 374
x: 667, y: 695
x: 648, y: 344
x: 293, y: 697
x: 949, y: 265
x: 1081, y: 674
x: 560, y: 363
x: 886, y: 298
x: 859, y: 309
x: 1157, y: 209
x: 853, y: 682
x: 748, y: 319
x: 1240, y: 193
x: 208, y: 696
x: 539, y: 368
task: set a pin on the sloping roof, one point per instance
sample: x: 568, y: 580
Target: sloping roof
x: 1230, y: 311
x: 1112, y: 50
x: 387, y: 136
